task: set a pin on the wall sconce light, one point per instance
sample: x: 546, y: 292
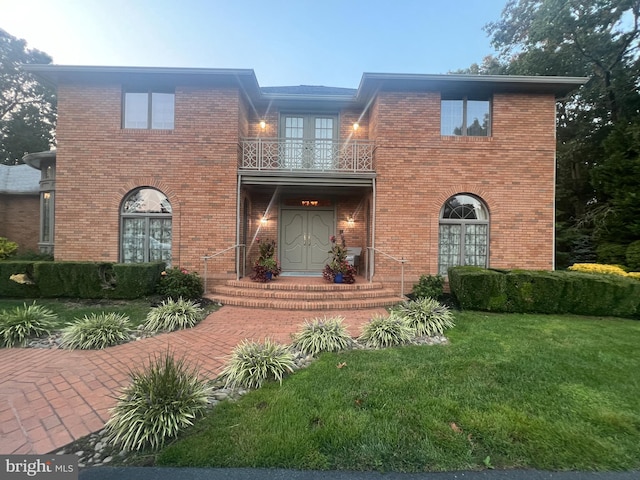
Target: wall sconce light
x: 356, y: 126
x: 263, y: 124
x: 350, y: 221
x: 264, y: 220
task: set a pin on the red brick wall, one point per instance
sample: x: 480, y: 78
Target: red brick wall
x: 98, y: 163
x: 512, y: 172
x: 20, y: 220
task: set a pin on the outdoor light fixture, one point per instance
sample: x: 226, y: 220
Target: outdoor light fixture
x: 264, y: 220
x: 263, y: 124
x: 350, y: 221
x: 356, y: 126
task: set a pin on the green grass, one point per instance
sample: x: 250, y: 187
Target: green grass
x: 547, y: 392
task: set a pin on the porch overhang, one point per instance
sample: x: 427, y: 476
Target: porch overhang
x: 307, y: 179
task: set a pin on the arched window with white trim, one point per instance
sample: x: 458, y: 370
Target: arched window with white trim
x: 145, y: 222
x: 464, y: 233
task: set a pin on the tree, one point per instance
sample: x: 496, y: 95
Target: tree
x: 27, y: 108
x: 599, y: 39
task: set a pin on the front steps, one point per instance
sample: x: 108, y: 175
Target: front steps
x: 303, y: 293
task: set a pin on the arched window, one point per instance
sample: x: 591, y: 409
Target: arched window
x: 146, y: 227
x: 464, y: 233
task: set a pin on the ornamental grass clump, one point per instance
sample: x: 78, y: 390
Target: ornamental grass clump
x: 253, y: 363
x: 162, y: 400
x: 426, y: 316
x: 322, y: 335
x: 173, y: 315
x: 97, y: 331
x: 22, y: 323
x: 389, y: 331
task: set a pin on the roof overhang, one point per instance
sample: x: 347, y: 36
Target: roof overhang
x: 35, y: 160
x: 306, y: 179
x: 158, y: 76
x: 372, y: 83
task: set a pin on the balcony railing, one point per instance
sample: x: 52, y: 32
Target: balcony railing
x: 281, y: 154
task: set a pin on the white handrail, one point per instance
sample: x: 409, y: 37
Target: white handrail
x: 236, y: 246
x: 401, y: 261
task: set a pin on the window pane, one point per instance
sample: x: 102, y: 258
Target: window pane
x: 133, y: 240
x: 47, y: 217
x: 160, y: 240
x: 293, y: 133
x: 464, y: 207
x: 162, y: 110
x: 324, y: 144
x: 136, y: 110
x: 475, y: 245
x: 478, y: 118
x: 451, y: 117
x: 146, y: 200
x: 449, y: 250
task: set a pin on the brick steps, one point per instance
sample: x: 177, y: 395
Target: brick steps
x: 303, y: 294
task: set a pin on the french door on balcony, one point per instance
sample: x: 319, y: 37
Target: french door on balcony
x: 304, y: 239
x: 310, y: 141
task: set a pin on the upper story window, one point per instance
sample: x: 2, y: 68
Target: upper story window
x: 310, y: 141
x: 149, y: 110
x: 466, y: 116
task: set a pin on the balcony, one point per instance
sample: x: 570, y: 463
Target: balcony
x: 316, y: 156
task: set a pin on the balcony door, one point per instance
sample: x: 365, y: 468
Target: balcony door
x: 304, y: 239
x: 309, y: 141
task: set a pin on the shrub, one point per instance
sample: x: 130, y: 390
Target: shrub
x: 178, y: 282
x: 162, y: 400
x: 598, y: 268
x: 429, y: 286
x: 388, y: 331
x: 611, y: 253
x: 322, y: 335
x: 546, y: 292
x: 173, y: 315
x: 633, y: 255
x: 7, y: 248
x: 252, y: 363
x: 22, y: 323
x: 97, y: 331
x: 426, y: 316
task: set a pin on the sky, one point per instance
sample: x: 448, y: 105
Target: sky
x: 286, y: 42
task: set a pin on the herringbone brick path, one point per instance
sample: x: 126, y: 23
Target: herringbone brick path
x: 49, y: 398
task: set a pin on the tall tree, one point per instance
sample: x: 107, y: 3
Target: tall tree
x: 599, y: 39
x: 27, y: 107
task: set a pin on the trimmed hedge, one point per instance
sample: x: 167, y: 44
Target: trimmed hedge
x: 79, y: 279
x: 524, y: 291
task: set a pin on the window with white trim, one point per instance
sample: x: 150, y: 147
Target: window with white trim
x: 463, y: 233
x: 149, y: 110
x: 465, y: 116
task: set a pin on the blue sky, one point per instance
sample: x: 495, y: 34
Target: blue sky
x: 286, y: 42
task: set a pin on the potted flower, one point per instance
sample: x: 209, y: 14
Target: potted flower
x: 338, y: 270
x: 266, y: 266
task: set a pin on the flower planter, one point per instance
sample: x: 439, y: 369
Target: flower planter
x: 338, y: 278
x: 269, y: 276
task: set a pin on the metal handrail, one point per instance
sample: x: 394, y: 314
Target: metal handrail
x: 401, y: 261
x: 236, y: 246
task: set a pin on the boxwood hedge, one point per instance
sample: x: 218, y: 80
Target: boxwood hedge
x: 33, y: 279
x: 526, y: 291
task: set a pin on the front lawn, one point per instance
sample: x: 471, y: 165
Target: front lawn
x: 510, y: 391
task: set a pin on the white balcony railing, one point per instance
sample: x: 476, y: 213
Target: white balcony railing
x: 311, y: 155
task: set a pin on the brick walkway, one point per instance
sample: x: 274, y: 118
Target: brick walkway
x: 49, y: 398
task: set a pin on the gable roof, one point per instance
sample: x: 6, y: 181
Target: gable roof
x: 19, y: 180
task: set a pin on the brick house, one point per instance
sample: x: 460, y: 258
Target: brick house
x: 20, y: 206
x: 179, y: 164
